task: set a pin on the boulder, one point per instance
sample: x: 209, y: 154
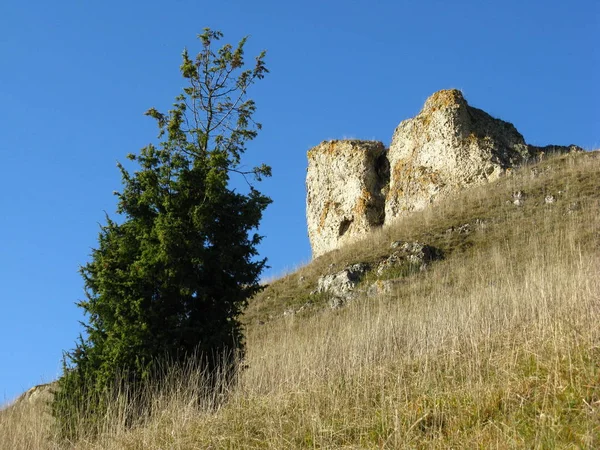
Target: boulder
x: 345, y: 199
x: 341, y: 285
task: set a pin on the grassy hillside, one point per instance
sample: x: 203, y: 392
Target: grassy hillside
x: 497, y: 345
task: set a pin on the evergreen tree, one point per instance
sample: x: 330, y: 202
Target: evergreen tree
x: 171, y: 279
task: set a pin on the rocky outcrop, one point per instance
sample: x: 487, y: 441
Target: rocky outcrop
x: 340, y: 286
x: 450, y: 145
x: 38, y: 395
x: 345, y: 198
x: 356, y: 186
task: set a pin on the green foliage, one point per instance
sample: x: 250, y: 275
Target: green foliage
x: 172, y: 279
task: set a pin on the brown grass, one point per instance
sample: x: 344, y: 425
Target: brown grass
x: 496, y: 346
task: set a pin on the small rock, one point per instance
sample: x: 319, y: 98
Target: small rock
x: 550, y: 199
x: 415, y: 253
x: 464, y: 229
x: 336, y: 302
x: 518, y: 198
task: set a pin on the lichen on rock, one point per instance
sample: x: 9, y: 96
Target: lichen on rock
x: 448, y: 146
x: 356, y: 186
x: 345, y: 198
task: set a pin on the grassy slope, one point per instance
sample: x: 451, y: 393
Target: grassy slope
x: 496, y: 346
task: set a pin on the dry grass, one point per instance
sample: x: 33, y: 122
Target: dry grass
x: 496, y: 346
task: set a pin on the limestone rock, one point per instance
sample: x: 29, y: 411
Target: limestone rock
x: 341, y: 285
x: 345, y: 198
x: 42, y: 392
x: 354, y: 187
x: 518, y: 198
x: 37, y: 395
x: 410, y: 255
x: 448, y: 146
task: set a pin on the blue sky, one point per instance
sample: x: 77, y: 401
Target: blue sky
x: 76, y: 77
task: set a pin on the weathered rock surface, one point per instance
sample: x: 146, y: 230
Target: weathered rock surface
x: 341, y: 285
x: 356, y: 186
x: 40, y: 394
x: 344, y: 192
x: 450, y: 145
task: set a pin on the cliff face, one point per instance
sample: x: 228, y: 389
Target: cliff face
x: 344, y: 187
x: 356, y: 186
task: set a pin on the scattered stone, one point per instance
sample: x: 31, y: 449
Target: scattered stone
x: 414, y: 253
x: 467, y: 228
x: 518, y: 198
x: 337, y: 302
x: 550, y: 199
x: 464, y: 229
x: 289, y: 312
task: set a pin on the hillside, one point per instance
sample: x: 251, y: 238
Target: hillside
x: 494, y: 343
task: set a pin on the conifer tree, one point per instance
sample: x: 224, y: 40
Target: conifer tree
x: 171, y: 277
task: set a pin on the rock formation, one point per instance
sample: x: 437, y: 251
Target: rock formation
x: 341, y: 285
x: 345, y: 196
x: 356, y: 186
x: 447, y: 146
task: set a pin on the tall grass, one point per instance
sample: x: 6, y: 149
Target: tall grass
x: 497, y: 346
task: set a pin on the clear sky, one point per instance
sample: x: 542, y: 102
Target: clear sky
x: 76, y: 77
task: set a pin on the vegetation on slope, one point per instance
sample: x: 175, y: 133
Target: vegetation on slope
x: 497, y: 345
x: 172, y: 276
